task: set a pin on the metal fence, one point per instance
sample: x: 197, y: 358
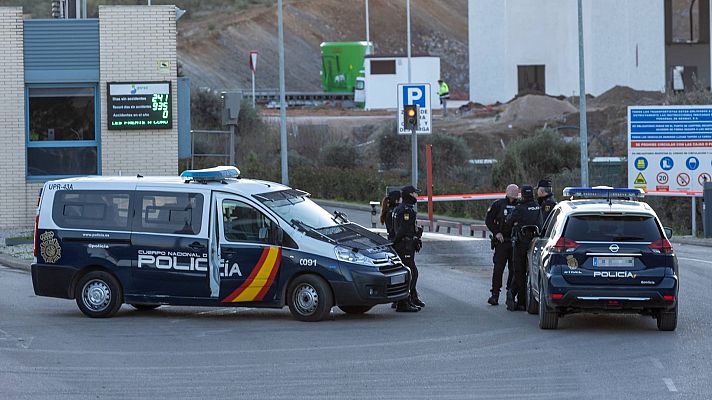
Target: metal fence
x: 209, y: 148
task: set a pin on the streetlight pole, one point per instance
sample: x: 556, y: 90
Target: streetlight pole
x: 368, y: 37
x: 282, y: 99
x: 583, y: 126
x: 414, y: 134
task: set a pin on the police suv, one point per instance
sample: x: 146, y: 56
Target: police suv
x: 206, y: 238
x: 603, y: 251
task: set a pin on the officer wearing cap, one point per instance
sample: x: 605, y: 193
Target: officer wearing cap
x: 501, y: 240
x: 525, y: 222
x: 545, y: 198
x: 406, y: 242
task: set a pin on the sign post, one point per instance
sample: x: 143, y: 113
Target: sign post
x: 417, y: 94
x: 253, y: 67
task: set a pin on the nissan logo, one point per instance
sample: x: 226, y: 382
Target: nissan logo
x: 614, y: 248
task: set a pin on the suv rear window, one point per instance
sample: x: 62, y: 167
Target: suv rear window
x: 612, y: 228
x: 92, y: 209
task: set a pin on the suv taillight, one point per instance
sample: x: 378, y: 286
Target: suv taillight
x: 661, y: 246
x: 564, y: 244
x: 37, y: 221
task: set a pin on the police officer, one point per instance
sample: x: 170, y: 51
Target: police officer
x: 545, y: 198
x: 501, y: 240
x: 388, y: 206
x: 526, y: 216
x: 406, y: 242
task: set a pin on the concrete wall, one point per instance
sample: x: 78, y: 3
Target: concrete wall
x: 381, y: 90
x: 624, y: 45
x: 133, y: 40
x: 13, y: 194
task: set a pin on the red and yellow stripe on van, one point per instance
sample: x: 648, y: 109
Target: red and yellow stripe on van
x: 261, y: 278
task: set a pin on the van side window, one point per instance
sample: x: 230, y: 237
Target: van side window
x: 92, y: 209
x: 244, y: 223
x: 169, y: 212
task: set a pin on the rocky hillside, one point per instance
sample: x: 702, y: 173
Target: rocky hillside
x: 213, y: 46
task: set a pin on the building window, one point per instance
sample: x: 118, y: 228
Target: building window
x: 531, y: 79
x: 383, y: 67
x: 62, y: 132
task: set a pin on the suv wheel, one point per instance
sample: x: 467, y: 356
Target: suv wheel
x: 667, y: 320
x: 532, y: 304
x: 98, y: 294
x: 547, y: 319
x: 309, y: 298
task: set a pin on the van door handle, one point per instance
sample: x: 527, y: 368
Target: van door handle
x: 197, y: 246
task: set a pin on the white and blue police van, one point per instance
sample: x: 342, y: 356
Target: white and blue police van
x: 206, y: 238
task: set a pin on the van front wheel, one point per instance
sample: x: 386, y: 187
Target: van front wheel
x: 98, y: 295
x: 309, y: 298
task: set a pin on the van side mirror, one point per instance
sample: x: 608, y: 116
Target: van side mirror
x: 668, y: 232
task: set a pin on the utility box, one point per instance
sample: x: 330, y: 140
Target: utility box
x: 707, y: 209
x: 231, y: 107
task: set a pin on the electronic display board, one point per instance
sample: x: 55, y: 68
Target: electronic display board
x: 139, y: 105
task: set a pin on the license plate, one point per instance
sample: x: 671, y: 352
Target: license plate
x: 621, y: 262
x: 398, y: 279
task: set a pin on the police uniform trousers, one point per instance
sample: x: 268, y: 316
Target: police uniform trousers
x: 503, y: 255
x: 407, y: 255
x: 519, y: 283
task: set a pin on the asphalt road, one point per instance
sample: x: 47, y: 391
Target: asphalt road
x: 457, y: 347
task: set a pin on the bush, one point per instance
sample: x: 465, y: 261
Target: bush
x: 205, y: 110
x: 545, y: 154
x: 393, y: 149
x: 339, y: 155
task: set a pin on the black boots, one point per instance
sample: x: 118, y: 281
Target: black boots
x: 415, y: 300
x: 405, y: 306
x: 494, y: 299
x: 511, y: 304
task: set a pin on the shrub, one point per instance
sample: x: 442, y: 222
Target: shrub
x: 339, y: 155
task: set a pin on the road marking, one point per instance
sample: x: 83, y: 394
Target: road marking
x: 694, y: 259
x: 670, y: 385
x: 657, y: 363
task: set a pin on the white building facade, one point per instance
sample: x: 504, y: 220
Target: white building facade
x: 519, y: 46
x: 383, y: 74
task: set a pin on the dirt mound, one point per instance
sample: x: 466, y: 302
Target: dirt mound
x: 623, y: 96
x: 535, y: 109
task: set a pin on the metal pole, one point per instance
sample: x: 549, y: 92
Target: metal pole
x: 368, y: 37
x: 78, y: 9
x: 253, y: 89
x: 192, y: 150
x: 232, y: 145
x: 429, y: 161
x: 583, y: 127
x: 414, y: 135
x: 694, y: 216
x: 282, y: 100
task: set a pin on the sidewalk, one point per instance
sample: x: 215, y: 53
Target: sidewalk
x: 694, y: 241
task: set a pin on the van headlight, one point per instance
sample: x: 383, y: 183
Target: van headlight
x: 348, y: 255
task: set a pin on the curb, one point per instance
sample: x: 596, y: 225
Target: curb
x: 15, y: 263
x: 692, y: 241
x: 332, y: 203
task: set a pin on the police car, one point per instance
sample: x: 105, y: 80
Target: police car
x: 603, y: 251
x: 206, y: 238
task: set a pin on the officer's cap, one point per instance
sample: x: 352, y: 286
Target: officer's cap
x: 409, y: 189
x: 527, y: 191
x: 394, y: 195
x: 546, y: 182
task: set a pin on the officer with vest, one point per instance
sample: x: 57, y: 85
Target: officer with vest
x: 388, y: 206
x: 545, y: 198
x: 501, y: 240
x: 525, y: 222
x: 444, y: 93
x: 406, y: 243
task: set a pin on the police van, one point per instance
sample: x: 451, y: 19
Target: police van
x: 206, y: 238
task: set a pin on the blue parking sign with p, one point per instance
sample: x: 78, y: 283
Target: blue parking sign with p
x: 414, y: 95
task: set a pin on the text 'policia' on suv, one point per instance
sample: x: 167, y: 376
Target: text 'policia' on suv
x: 604, y: 251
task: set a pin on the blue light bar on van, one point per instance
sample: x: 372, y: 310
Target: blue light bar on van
x: 211, y: 174
x: 603, y: 192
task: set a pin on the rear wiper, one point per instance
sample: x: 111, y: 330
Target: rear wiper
x: 626, y: 238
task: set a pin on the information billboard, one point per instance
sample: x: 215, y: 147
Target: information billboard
x: 139, y: 105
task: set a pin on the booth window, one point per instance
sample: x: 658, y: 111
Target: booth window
x: 383, y: 67
x: 62, y: 132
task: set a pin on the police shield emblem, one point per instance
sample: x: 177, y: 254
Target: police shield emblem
x: 49, y: 247
x: 406, y: 217
x: 571, y: 262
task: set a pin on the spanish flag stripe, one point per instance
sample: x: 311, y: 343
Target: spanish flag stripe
x: 272, y: 275
x: 231, y: 297
x: 251, y: 292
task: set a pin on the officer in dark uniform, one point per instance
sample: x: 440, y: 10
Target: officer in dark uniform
x: 406, y: 242
x: 545, y: 198
x: 388, y: 206
x: 501, y: 240
x: 526, y: 216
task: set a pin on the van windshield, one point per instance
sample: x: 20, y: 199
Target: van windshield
x: 295, y: 207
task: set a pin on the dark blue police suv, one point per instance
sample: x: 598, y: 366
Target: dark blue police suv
x: 604, y: 251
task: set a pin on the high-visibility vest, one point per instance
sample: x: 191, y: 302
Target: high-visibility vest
x: 444, y: 90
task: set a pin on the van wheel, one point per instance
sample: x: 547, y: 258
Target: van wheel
x: 98, y: 294
x: 667, y: 320
x: 145, y: 307
x: 547, y: 319
x: 355, y: 309
x: 532, y: 304
x: 310, y: 298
